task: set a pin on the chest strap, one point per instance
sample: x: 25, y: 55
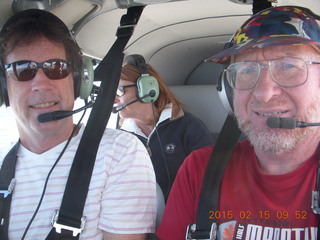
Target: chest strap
x: 7, y: 182
x: 206, y: 228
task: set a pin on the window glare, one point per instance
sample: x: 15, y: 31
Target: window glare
x: 112, y: 123
x: 8, y: 129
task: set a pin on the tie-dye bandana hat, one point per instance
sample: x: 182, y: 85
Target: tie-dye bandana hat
x: 286, y: 25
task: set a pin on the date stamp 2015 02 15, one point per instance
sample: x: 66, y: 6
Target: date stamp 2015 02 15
x: 261, y: 214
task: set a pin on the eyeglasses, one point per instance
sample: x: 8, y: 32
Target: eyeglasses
x: 120, y: 90
x: 26, y: 70
x: 286, y: 72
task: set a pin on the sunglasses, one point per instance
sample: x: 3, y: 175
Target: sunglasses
x: 120, y: 89
x: 26, y: 70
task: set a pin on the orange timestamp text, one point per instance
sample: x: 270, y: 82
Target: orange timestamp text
x: 265, y: 214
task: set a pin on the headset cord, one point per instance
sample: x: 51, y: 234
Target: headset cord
x: 162, y: 152
x: 49, y: 174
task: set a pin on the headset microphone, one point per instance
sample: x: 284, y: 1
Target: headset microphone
x: 57, y: 115
x: 116, y: 109
x: 119, y: 108
x: 288, y: 123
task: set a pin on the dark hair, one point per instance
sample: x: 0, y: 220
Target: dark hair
x: 29, y: 25
x: 131, y: 73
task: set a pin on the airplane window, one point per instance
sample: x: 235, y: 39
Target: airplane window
x: 8, y: 127
x: 112, y: 123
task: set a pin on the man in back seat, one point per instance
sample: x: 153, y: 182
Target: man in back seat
x: 267, y: 187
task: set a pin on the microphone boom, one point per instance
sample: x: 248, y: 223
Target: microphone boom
x: 57, y: 115
x: 120, y: 107
x: 288, y: 123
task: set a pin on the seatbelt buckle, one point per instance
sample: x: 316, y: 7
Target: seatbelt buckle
x: 125, y: 31
x: 194, y: 234
x: 58, y: 226
x: 10, y: 188
x: 315, y: 202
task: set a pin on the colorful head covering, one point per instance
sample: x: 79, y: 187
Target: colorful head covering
x: 286, y: 25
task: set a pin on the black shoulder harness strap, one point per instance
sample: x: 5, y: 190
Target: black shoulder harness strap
x: 69, y: 221
x: 205, y: 228
x: 7, y: 182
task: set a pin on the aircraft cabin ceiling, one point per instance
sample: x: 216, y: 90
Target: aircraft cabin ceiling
x: 172, y: 36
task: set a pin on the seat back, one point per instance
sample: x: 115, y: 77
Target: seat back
x: 160, y: 205
x: 160, y: 209
x: 203, y: 101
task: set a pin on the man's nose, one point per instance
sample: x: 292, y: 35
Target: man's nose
x: 116, y: 99
x: 41, y: 81
x: 266, y: 87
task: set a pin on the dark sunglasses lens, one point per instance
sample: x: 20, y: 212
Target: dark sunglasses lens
x: 56, y: 69
x: 25, y: 70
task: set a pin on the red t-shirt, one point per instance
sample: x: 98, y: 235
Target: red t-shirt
x: 252, y: 205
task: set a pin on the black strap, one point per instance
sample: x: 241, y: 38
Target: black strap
x: 108, y: 72
x: 209, y: 197
x: 259, y: 5
x: 6, y: 178
x: 317, y: 204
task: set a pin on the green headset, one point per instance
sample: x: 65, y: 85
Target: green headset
x: 83, y: 77
x: 147, y: 86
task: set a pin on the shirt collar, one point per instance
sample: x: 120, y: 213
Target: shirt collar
x: 130, y: 125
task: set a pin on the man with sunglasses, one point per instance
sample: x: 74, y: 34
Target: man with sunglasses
x: 40, y: 62
x: 269, y: 189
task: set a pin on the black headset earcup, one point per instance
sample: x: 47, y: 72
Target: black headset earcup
x: 1, y: 89
x: 87, y: 78
x: 147, y: 86
x: 225, y: 93
x: 4, y: 99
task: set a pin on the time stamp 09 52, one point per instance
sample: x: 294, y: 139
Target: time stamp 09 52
x: 265, y: 214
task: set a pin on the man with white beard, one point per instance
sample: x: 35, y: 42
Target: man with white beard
x: 266, y: 190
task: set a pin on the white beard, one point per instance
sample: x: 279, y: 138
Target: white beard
x: 279, y: 141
